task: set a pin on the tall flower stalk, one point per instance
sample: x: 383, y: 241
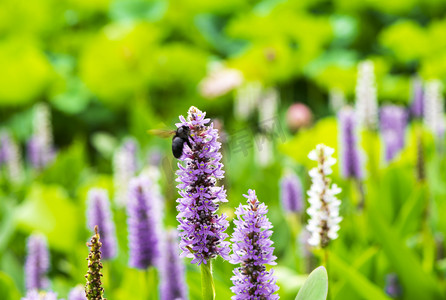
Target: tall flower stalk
x: 173, y: 284
x: 252, y: 249
x: 125, y: 166
x: 324, y: 206
x: 351, y: 159
x: 40, y: 146
x: 366, y: 98
x: 393, y: 122
x: 99, y: 214
x: 37, y: 263
x: 434, y: 108
x: 93, y: 287
x: 143, y: 222
x: 291, y: 193
x: 201, y: 228
x: 10, y: 157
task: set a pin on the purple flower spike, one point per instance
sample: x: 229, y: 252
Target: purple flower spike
x: 37, y: 263
x: 201, y: 229
x: 417, y: 95
x: 173, y: 284
x: 291, y: 193
x: 10, y: 157
x: 99, y: 214
x: 393, y: 123
x: 143, y: 221
x: 350, y: 154
x: 252, y: 248
x: 40, y: 146
x: 393, y: 287
x: 77, y: 293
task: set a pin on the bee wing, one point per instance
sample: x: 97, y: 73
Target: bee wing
x: 161, y: 132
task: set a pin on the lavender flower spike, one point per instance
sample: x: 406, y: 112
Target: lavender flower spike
x: 77, y: 293
x: 35, y: 295
x: 125, y: 166
x: 291, y: 193
x: 324, y: 206
x: 143, y: 222
x: 40, y: 146
x: 173, y: 284
x: 350, y: 154
x: 37, y: 263
x: 417, y: 104
x: 393, y: 121
x: 252, y: 249
x: 366, y: 100
x: 99, y: 214
x: 201, y: 229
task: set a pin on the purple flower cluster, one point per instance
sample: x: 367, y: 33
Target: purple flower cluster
x: 291, y: 193
x: 99, y: 214
x: 37, y: 263
x: 143, y: 223
x: 201, y: 229
x: 252, y: 248
x: 393, y: 122
x: 350, y: 153
x: 173, y: 284
x: 77, y: 293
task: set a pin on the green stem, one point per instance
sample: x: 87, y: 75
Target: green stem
x: 328, y: 273
x: 152, y: 283
x: 207, y: 282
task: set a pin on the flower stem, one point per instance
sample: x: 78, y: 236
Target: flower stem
x: 207, y: 282
x: 326, y: 255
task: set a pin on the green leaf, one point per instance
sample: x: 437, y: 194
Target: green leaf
x: 8, y: 290
x: 315, y: 287
x: 68, y: 167
x: 358, y: 281
x: 416, y: 283
x: 49, y: 210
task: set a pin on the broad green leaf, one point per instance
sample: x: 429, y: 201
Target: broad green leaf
x: 315, y: 287
x: 68, y: 167
x: 48, y: 210
x: 358, y: 281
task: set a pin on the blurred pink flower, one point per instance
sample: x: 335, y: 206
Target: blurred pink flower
x: 298, y: 115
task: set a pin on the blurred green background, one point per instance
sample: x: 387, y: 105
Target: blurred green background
x: 113, y: 69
